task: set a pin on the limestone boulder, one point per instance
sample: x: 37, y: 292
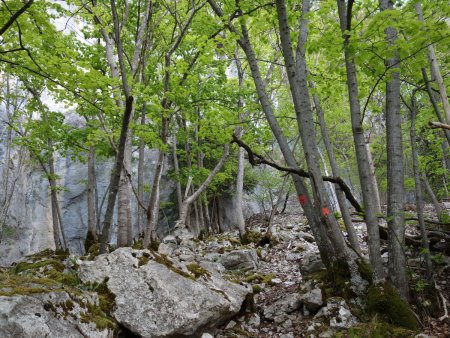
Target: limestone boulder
x: 53, y: 314
x: 160, y: 297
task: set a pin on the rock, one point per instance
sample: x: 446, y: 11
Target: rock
x: 254, y: 320
x: 310, y: 263
x: 338, y: 313
x: 230, y: 325
x: 165, y: 249
x: 306, y: 236
x: 243, y: 260
x: 153, y: 299
x: 53, y: 314
x: 170, y: 239
x: 283, y: 306
x: 312, y: 300
x: 207, y: 335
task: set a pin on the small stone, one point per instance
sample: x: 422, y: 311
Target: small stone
x: 254, y: 320
x: 165, y: 249
x: 207, y: 335
x: 230, y: 325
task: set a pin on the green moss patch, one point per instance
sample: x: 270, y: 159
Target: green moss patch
x: 378, y: 329
x: 197, y: 270
x: 385, y: 301
x: 46, y: 264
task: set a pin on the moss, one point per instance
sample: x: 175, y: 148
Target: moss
x: 101, y: 314
x: 89, y: 241
x: 197, y: 270
x: 251, y: 236
x: 162, y: 259
x: 143, y: 260
x: 256, y: 289
x: 139, y: 244
x: 384, y: 300
x: 259, y: 278
x: 48, y: 253
x: 379, y: 329
x: 365, y: 270
x: 93, y: 252
x: 52, y: 263
x: 154, y: 245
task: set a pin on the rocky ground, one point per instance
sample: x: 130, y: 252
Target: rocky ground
x: 290, y: 303
x: 195, y: 288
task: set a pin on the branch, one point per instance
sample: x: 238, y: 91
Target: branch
x: 14, y: 17
x: 436, y: 125
x: 256, y: 159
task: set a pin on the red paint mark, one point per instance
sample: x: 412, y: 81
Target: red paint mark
x: 303, y: 199
x: 325, y: 211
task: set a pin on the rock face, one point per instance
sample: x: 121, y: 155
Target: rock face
x: 156, y: 299
x: 45, y: 315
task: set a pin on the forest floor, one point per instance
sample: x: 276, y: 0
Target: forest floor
x: 278, y: 281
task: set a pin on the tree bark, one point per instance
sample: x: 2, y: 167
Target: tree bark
x: 431, y: 194
x: 92, y: 219
x: 345, y: 212
x: 115, y: 177
x: 367, y: 186
x: 418, y: 187
x: 396, y: 194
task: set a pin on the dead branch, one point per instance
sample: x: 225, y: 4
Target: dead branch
x: 436, y: 125
x: 255, y: 159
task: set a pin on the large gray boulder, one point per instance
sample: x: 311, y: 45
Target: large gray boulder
x: 53, y: 314
x: 159, y: 297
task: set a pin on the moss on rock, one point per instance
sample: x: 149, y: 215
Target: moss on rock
x: 385, y: 300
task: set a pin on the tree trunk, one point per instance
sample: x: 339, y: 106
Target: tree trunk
x: 435, y: 70
x: 54, y: 203
x: 373, y: 178
x: 367, y: 186
x: 176, y: 168
x: 325, y: 247
x: 418, y: 187
x: 345, y: 212
x: 92, y: 219
x: 153, y: 204
x: 431, y: 194
x: 141, y: 168
x: 115, y: 177
x: 297, y: 76
x: 193, y: 197
x: 396, y: 194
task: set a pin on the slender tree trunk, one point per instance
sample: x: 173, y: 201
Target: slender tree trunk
x: 92, y: 219
x: 345, y: 212
x: 297, y: 75
x: 176, y: 168
x: 325, y: 247
x: 418, y: 187
x: 435, y: 70
x: 115, y: 177
x: 141, y: 169
x: 396, y: 194
x: 193, y: 197
x: 153, y: 204
x: 373, y: 178
x: 431, y: 194
x: 367, y: 186
x: 54, y: 204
